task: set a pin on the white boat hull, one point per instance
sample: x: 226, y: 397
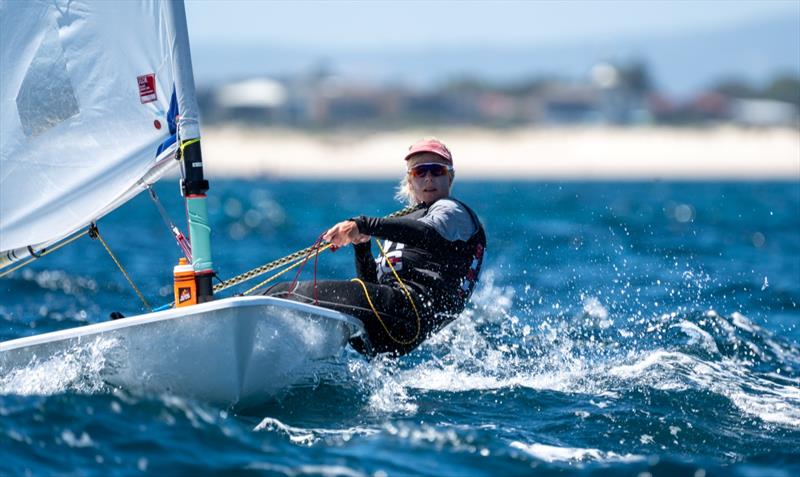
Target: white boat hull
x: 231, y: 352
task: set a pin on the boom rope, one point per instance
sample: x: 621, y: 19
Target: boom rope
x: 94, y: 232
x: 300, y: 254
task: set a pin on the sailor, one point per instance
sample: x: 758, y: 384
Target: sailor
x: 427, y: 268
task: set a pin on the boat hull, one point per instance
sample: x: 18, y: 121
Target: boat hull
x: 231, y: 352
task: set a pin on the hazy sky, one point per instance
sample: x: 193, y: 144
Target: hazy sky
x: 378, y: 24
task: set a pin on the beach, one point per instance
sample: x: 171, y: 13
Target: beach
x: 580, y: 153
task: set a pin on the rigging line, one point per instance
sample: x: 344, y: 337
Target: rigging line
x: 408, y: 296
x: 292, y: 266
x: 268, y: 267
x: 296, y: 264
x: 94, y: 232
x: 305, y: 260
x: 184, y: 245
x: 45, y: 251
x: 270, y: 278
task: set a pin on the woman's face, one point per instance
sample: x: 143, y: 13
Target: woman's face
x: 428, y: 188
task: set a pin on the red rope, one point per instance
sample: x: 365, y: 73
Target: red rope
x: 314, y: 250
x: 317, y: 245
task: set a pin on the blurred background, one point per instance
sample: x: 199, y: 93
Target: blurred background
x: 497, y: 64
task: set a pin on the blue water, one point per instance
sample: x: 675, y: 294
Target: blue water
x: 619, y: 328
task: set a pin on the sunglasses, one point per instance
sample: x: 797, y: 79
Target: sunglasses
x: 436, y: 169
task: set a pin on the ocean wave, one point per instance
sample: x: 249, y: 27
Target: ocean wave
x: 321, y: 470
x: 307, y: 437
x: 573, y: 455
x: 491, y: 347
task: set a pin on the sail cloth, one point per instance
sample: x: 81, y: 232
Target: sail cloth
x: 85, y: 90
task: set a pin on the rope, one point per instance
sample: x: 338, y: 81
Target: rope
x: 184, y: 245
x: 275, y: 264
x: 291, y: 261
x: 94, y: 232
x: 305, y: 260
x: 45, y: 251
x: 408, y: 295
x: 296, y: 264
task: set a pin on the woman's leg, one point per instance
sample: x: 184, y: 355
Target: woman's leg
x: 395, y: 329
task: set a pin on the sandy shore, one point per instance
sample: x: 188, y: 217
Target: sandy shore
x: 569, y: 153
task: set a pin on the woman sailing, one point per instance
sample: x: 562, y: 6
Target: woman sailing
x: 426, y: 269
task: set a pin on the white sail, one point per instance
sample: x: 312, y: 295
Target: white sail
x: 85, y: 93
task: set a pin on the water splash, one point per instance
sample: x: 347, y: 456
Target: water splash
x: 596, y: 352
x: 78, y: 369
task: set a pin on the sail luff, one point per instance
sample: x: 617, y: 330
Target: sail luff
x: 180, y: 53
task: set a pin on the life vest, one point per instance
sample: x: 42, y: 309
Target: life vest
x: 445, y: 271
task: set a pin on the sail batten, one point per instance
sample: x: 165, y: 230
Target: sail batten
x: 84, y: 95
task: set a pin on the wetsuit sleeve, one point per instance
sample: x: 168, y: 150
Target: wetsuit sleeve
x: 403, y: 230
x: 365, y: 262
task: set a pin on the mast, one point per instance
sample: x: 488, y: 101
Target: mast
x: 193, y: 185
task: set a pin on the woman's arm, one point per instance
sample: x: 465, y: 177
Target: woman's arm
x: 404, y: 230
x: 365, y: 262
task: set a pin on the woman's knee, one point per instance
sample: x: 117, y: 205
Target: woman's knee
x: 277, y: 289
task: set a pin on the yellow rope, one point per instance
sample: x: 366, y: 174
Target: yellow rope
x: 96, y: 232
x: 405, y: 290
x: 43, y: 252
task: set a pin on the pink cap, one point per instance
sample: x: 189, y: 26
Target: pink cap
x: 430, y: 145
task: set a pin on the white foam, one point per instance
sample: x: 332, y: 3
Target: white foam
x: 307, y: 437
x: 553, y: 454
x: 698, y: 336
x: 454, y: 438
x: 72, y: 440
x: 743, y: 322
x: 490, y: 348
x: 321, y: 470
x: 594, y: 309
x: 76, y: 369
x: 754, y: 394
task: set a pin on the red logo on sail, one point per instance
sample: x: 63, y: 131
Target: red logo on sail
x: 147, y: 88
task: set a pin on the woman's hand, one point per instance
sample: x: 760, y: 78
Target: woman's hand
x: 344, y: 233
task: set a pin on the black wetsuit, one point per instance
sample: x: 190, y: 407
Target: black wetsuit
x: 438, y: 266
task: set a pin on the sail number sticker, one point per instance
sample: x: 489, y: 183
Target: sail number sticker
x: 147, y: 88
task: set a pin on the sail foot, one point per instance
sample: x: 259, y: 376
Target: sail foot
x: 13, y: 256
